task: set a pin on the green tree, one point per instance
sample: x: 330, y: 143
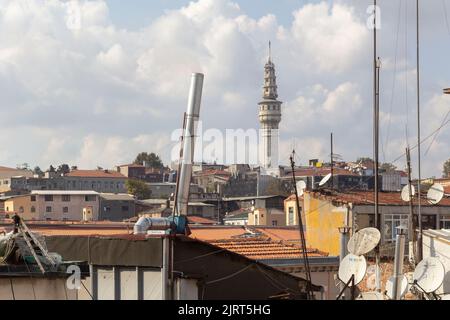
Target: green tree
x: 151, y: 159
x: 446, y: 169
x: 38, y: 171
x: 63, y: 169
x: 388, y: 167
x: 139, y: 189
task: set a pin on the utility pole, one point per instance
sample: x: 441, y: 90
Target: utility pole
x: 302, y: 233
x: 419, y: 209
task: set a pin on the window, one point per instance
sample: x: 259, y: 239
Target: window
x: 66, y: 198
x: 445, y: 222
x: 48, y: 197
x: 65, y: 209
x: 89, y: 198
x: 391, y: 222
x: 48, y: 209
x: 21, y: 210
x: 274, y: 223
x: 291, y: 216
x: 125, y: 208
x: 33, y: 209
x: 33, y: 198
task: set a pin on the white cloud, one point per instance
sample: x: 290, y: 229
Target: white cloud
x: 98, y: 94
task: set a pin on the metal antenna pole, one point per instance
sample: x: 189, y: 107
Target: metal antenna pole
x: 412, y: 223
x: 332, y: 163
x: 376, y: 139
x: 302, y: 233
x: 419, y: 242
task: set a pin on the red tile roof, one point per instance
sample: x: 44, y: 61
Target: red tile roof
x: 200, y: 220
x: 367, y: 197
x: 95, y: 174
x: 265, y: 248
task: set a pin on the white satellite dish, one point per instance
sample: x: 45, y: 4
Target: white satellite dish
x: 402, y: 290
x: 325, y: 179
x: 352, y: 265
x: 371, y: 295
x: 445, y: 297
x: 429, y: 274
x: 405, y: 193
x: 301, y: 186
x: 364, y: 241
x: 435, y: 193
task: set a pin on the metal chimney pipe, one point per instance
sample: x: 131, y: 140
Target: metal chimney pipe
x: 398, y: 263
x: 189, y: 136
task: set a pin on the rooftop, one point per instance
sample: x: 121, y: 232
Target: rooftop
x: 367, y: 198
x: 64, y: 192
x: 95, y: 174
x: 117, y: 196
x: 265, y: 248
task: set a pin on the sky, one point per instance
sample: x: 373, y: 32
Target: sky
x: 93, y: 83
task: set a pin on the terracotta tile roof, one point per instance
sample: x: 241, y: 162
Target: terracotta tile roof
x: 367, y: 197
x: 200, y: 220
x: 95, y: 174
x: 290, y: 234
x: 265, y: 248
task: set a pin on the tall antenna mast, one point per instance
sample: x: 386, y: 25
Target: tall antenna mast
x: 376, y: 74
x: 332, y: 162
x: 419, y: 238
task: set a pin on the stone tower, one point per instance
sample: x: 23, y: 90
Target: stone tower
x: 269, y: 119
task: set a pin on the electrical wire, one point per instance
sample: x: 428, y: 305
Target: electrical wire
x: 230, y: 275
x: 437, y: 133
x: 200, y: 256
x: 394, y: 78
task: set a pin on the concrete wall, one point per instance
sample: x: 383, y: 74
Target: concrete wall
x: 266, y: 217
x: 326, y: 280
x: 322, y: 223
x: 25, y: 288
x: 440, y: 248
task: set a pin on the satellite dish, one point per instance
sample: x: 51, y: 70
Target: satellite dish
x: 429, y: 274
x: 301, y: 186
x: 371, y: 295
x: 352, y: 265
x: 445, y: 297
x: 325, y: 180
x: 405, y: 193
x: 364, y: 241
x: 435, y: 193
x: 403, y: 289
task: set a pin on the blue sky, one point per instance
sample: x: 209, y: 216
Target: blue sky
x: 117, y: 84
x: 135, y: 14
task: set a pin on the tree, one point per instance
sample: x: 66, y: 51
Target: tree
x: 388, y: 167
x: 446, y: 169
x: 139, y: 189
x: 63, y: 169
x: 51, y: 169
x: 150, y: 159
x: 38, y: 171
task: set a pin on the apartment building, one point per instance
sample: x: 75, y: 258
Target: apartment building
x: 55, y: 205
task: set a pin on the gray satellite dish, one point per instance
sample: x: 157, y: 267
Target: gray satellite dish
x: 301, y: 186
x: 325, y: 180
x: 435, y: 193
x: 364, y: 241
x: 371, y: 295
x: 405, y: 193
x: 403, y: 289
x: 429, y: 274
x: 352, y: 265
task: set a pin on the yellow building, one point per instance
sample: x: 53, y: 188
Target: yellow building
x: 290, y: 210
x: 267, y: 217
x: 55, y: 205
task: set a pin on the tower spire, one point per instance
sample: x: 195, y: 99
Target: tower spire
x: 270, y: 51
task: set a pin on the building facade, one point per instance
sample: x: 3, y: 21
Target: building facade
x: 55, y: 205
